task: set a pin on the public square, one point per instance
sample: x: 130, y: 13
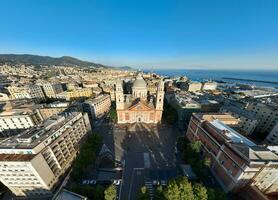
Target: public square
x: 147, y: 153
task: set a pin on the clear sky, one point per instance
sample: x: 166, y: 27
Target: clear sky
x: 206, y: 34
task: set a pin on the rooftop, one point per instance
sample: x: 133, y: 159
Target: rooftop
x: 16, y: 157
x: 34, y: 136
x: 231, y: 133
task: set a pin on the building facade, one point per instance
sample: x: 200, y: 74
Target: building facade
x: 52, y: 89
x: 75, y: 94
x: 28, y: 91
x: 272, y: 137
x: 266, y: 114
x: 194, y: 87
x: 32, y: 162
x: 98, y: 106
x: 209, y: 86
x: 12, y: 119
x: 139, y: 106
x: 248, y: 121
x: 236, y: 162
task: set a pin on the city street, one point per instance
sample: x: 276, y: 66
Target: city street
x: 147, y: 153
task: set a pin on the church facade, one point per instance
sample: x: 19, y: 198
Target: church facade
x: 139, y: 106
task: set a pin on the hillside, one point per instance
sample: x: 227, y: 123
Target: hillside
x: 45, y: 60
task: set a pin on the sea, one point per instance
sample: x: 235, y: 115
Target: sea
x: 259, y: 78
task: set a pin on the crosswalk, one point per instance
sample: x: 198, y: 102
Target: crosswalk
x: 149, y: 186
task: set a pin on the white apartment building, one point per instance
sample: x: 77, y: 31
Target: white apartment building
x: 194, y: 87
x: 18, y: 119
x: 209, y: 85
x: 98, y: 106
x: 32, y: 162
x: 27, y: 91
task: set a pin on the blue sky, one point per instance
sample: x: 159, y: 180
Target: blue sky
x: 199, y: 34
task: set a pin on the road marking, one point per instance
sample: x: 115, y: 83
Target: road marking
x: 120, y: 192
x: 154, y: 158
x: 134, y: 169
x: 162, y: 156
x: 147, y: 163
x: 149, y: 186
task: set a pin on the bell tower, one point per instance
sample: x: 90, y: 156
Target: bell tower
x: 119, y: 95
x: 159, y: 96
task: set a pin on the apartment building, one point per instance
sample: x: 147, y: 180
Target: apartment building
x: 236, y: 162
x: 194, y: 87
x: 27, y: 91
x: 209, y: 86
x: 32, y: 163
x: 48, y: 110
x: 266, y: 114
x: 75, y: 94
x: 185, y: 106
x: 52, y: 89
x: 272, y: 137
x: 20, y: 118
x: 247, y: 120
x: 98, y: 106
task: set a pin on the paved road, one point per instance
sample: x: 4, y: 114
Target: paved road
x: 142, y: 148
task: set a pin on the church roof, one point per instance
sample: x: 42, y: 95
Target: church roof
x: 139, y: 82
x: 141, y: 105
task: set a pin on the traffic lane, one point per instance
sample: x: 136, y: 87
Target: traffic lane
x: 132, y: 160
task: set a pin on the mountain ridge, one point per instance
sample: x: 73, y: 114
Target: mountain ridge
x: 36, y: 60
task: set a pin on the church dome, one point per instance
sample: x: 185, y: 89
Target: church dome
x: 139, y: 82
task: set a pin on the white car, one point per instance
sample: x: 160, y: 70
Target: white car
x: 93, y: 182
x: 117, y: 182
x: 85, y: 182
x: 155, y: 182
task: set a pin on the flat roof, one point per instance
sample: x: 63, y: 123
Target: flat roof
x: 231, y: 133
x: 33, y: 136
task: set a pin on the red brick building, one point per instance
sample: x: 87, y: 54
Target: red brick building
x: 236, y: 162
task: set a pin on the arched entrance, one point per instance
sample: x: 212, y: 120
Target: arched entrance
x: 139, y: 118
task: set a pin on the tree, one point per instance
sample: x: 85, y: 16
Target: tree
x: 179, y: 189
x: 113, y: 114
x: 216, y: 194
x: 158, y: 195
x: 196, y: 146
x: 185, y: 188
x: 144, y: 194
x: 110, y: 193
x: 172, y: 191
x: 200, y: 192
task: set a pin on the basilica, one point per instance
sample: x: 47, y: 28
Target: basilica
x: 139, y: 106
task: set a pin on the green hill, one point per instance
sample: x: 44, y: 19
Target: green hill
x: 45, y: 60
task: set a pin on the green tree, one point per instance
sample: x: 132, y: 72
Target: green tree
x: 144, y: 194
x: 216, y: 194
x: 110, y: 193
x: 179, y: 189
x: 196, y: 146
x: 185, y: 188
x: 158, y: 195
x: 98, y: 192
x: 172, y: 191
x: 200, y: 192
x: 113, y: 114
